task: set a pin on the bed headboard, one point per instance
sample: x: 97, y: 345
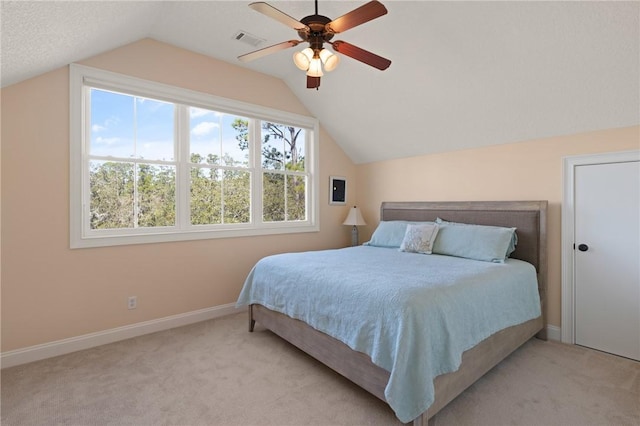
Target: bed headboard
x: 529, y: 217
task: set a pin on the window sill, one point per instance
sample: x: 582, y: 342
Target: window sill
x: 165, y: 237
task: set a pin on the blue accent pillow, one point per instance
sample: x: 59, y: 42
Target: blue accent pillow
x: 389, y: 233
x: 479, y: 242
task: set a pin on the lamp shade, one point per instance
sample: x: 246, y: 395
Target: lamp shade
x: 354, y: 218
x: 303, y: 58
x: 315, y: 68
x: 329, y: 60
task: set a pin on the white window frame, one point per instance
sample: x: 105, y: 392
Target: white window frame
x: 81, y: 78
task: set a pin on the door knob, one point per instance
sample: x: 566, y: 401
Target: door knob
x: 583, y: 247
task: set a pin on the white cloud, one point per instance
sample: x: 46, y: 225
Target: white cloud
x: 199, y: 112
x: 107, y: 141
x: 204, y: 128
x: 108, y: 123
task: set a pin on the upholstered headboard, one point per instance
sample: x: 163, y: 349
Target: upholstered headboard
x: 529, y: 217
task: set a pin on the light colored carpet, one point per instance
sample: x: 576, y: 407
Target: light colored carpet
x: 216, y: 373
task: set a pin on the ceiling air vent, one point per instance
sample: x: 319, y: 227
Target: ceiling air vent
x: 245, y: 37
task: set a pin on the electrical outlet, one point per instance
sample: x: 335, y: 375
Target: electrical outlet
x: 132, y: 302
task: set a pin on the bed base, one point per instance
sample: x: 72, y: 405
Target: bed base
x: 358, y: 367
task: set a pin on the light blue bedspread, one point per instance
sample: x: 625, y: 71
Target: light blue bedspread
x: 413, y: 314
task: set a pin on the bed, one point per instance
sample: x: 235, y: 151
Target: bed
x: 382, y: 369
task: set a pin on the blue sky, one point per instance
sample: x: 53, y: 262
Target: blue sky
x: 132, y: 127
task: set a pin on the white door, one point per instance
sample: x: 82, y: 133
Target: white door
x: 607, y: 257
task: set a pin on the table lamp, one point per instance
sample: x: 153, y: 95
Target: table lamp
x: 354, y: 219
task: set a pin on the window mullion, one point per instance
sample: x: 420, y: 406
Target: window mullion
x: 85, y: 182
x: 255, y: 157
x: 309, y: 174
x: 136, y: 201
x: 286, y: 198
x: 183, y: 173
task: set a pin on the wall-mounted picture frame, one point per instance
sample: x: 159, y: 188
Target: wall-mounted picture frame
x: 337, y: 190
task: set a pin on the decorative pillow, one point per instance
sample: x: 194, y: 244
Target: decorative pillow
x: 419, y: 238
x: 479, y: 242
x: 389, y: 233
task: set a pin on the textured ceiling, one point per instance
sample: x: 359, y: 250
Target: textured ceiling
x: 464, y: 74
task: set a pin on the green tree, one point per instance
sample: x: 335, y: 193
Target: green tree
x: 274, y: 158
x: 218, y: 194
x: 156, y: 195
x: 206, y: 206
x: 237, y: 196
x: 129, y: 194
x: 112, y: 203
x: 287, y: 155
x: 111, y: 188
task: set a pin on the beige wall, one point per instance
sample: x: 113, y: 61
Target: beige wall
x: 50, y: 292
x: 529, y: 170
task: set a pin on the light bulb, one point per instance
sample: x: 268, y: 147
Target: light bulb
x: 303, y: 58
x: 315, y: 68
x: 329, y: 60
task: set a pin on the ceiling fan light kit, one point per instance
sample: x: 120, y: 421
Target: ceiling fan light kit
x: 317, y: 30
x: 310, y: 61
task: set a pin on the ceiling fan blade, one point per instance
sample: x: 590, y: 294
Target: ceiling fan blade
x: 272, y: 12
x: 361, y: 55
x: 313, y: 82
x: 267, y: 50
x: 365, y: 13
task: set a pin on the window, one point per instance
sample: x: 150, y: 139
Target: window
x: 153, y: 163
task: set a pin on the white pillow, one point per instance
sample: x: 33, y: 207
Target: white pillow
x: 419, y: 238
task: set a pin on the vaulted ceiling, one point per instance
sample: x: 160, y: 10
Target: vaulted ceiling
x: 463, y: 74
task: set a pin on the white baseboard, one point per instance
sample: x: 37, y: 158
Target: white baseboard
x: 553, y: 332
x: 86, y: 341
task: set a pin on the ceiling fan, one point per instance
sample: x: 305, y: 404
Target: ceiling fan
x: 317, y: 30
